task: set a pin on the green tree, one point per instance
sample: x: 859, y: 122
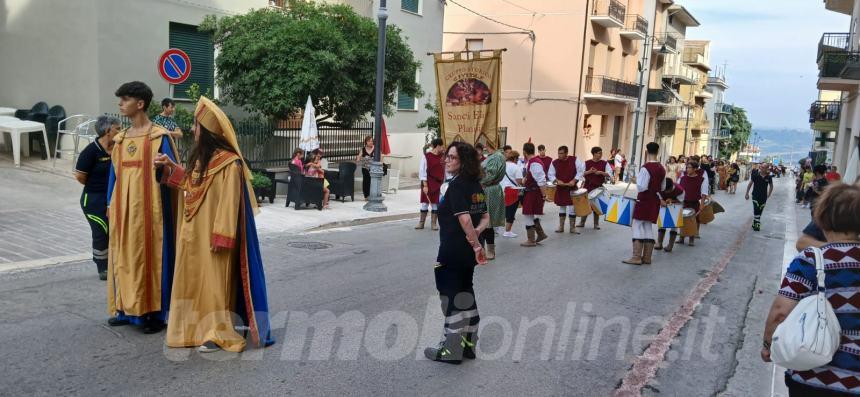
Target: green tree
x: 740, y: 132
x: 431, y: 124
x: 270, y: 60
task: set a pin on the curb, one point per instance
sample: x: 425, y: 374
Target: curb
x: 361, y: 222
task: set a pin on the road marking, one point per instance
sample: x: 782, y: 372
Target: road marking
x: 645, y: 365
x: 41, y: 263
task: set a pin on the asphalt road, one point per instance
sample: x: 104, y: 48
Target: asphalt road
x: 566, y: 318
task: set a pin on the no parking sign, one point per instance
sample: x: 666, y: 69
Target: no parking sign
x: 174, y: 66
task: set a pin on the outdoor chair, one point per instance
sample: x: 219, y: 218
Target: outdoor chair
x: 29, y: 114
x: 342, y: 181
x: 52, y: 120
x: 304, y: 190
x: 77, y: 127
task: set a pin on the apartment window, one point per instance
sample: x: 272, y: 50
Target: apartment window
x: 413, y: 6
x: 592, y: 52
x: 609, y: 54
x: 474, y: 44
x: 406, y: 102
x: 201, y: 51
x: 623, y: 72
x: 604, y: 125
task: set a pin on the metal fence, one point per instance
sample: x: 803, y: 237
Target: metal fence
x: 609, y: 86
x: 267, y: 144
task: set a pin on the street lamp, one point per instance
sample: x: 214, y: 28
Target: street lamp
x: 374, y: 202
x: 643, y: 65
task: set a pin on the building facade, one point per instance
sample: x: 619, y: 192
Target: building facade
x: 718, y: 110
x: 837, y: 121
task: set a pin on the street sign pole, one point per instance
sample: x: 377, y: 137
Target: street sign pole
x: 374, y: 202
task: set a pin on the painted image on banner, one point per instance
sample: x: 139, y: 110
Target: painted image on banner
x: 468, y: 88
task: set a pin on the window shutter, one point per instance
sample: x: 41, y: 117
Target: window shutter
x: 199, y: 47
x: 409, y: 5
x: 405, y: 102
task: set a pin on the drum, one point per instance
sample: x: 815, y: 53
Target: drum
x: 706, y: 214
x: 550, y: 192
x: 580, y: 202
x: 599, y: 200
x: 690, y: 225
x: 671, y: 216
x: 620, y: 210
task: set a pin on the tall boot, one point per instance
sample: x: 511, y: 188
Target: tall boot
x: 434, y: 218
x: 647, y: 250
x: 421, y: 220
x: 539, y: 233
x: 671, y: 244
x: 530, y: 233
x: 561, y: 221
x: 449, y: 350
x: 596, y: 222
x: 692, y: 241
x: 636, y: 259
x: 491, y: 252
x: 573, y: 224
x: 582, y: 221
x: 468, y: 342
x: 660, y: 235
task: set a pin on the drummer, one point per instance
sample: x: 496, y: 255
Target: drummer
x: 595, y: 174
x: 566, y: 172
x: 695, y: 191
x: 649, y: 183
x: 673, y: 193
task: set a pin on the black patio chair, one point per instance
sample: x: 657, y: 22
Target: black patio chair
x: 51, y: 119
x: 304, y: 190
x: 342, y: 181
x: 40, y: 108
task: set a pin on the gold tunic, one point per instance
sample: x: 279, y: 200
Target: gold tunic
x: 205, y: 283
x: 136, y: 225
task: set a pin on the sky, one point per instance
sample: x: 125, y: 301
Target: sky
x: 770, y: 47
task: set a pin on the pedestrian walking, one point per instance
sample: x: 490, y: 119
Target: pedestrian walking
x: 673, y: 169
x: 219, y: 271
x: 566, y: 172
x: 761, y: 184
x: 462, y: 218
x: 534, y: 181
x: 733, y: 173
x: 833, y: 175
x: 838, y: 216
x: 494, y: 172
x: 431, y: 173
x: 649, y: 182
x: 141, y: 218
x: 92, y: 170
x: 597, y: 172
x: 817, y: 185
x: 619, y: 162
x: 512, y: 187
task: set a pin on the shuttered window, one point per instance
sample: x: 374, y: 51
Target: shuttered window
x: 199, y: 47
x: 406, y: 102
x: 411, y: 6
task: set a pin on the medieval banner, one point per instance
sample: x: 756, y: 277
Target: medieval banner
x: 467, y: 85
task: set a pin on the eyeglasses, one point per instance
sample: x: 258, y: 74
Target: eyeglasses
x: 451, y: 158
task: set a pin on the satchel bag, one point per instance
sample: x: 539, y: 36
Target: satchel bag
x: 810, y: 334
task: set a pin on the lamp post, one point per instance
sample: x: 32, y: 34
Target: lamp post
x: 643, y: 66
x: 374, y: 202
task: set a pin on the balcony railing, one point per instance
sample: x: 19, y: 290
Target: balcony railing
x: 661, y: 95
x: 636, y: 25
x: 609, y: 86
x: 683, y: 72
x: 718, y: 134
x: 667, y: 39
x: 824, y: 111
x: 674, y: 112
x: 832, y: 64
x: 613, y: 10
x: 693, y: 58
x: 723, y: 108
x: 833, y: 42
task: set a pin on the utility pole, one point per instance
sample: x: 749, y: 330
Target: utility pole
x: 374, y: 202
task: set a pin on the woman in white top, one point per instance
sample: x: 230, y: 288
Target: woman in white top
x: 513, y: 179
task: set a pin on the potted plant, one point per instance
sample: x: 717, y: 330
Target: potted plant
x: 262, y: 185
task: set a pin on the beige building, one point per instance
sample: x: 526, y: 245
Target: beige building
x: 570, y: 75
x: 836, y: 117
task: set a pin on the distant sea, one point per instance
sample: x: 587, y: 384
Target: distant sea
x: 783, y: 141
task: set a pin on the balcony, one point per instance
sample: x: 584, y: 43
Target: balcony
x: 833, y: 42
x: 695, y: 59
x: 675, y: 112
x: 683, y: 73
x: 635, y: 28
x: 718, y: 81
x: 841, y: 6
x: 723, y: 108
x: 720, y: 134
x: 667, y: 40
x: 609, y: 13
x: 839, y: 71
x: 609, y: 89
x: 660, y: 96
x: 824, y: 115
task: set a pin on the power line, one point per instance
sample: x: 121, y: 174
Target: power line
x: 490, y: 19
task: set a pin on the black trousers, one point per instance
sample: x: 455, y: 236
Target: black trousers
x: 94, y: 206
x: 365, y: 182
x: 488, y: 236
x: 511, y: 212
x: 457, y: 295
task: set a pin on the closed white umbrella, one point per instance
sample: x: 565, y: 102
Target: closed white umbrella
x: 309, y: 139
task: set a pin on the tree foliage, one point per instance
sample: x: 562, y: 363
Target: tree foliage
x: 270, y: 60
x: 740, y: 132
x: 431, y: 124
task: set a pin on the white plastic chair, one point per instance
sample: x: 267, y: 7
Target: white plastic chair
x: 393, y: 181
x: 81, y: 123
